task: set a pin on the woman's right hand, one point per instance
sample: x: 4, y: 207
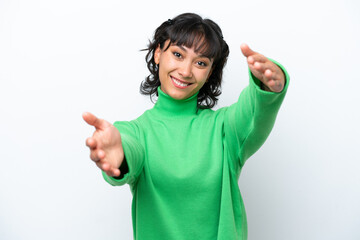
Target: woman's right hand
x: 105, y: 145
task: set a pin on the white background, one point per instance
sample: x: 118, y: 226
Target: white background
x: 61, y: 58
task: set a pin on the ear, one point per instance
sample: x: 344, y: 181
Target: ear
x: 157, y: 55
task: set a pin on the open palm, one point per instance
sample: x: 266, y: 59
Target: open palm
x: 265, y: 70
x: 105, y: 145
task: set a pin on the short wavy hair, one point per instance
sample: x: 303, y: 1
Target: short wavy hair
x: 189, y: 30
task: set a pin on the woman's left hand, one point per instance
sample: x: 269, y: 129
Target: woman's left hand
x: 265, y: 70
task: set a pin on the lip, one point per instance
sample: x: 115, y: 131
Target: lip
x: 179, y: 86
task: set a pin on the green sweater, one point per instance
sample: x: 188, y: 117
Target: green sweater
x: 184, y: 164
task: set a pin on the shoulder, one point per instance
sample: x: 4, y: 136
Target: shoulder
x: 131, y: 126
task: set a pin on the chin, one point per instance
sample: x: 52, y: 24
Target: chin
x: 180, y: 94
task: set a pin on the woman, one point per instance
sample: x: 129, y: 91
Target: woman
x: 181, y: 159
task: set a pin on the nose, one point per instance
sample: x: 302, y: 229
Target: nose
x: 185, y: 69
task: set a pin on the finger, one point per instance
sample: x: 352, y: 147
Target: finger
x: 259, y: 58
x: 104, y: 166
x: 246, y: 51
x: 269, y: 74
x: 112, y: 172
x: 272, y: 71
x: 92, y: 120
x: 265, y: 69
x: 94, y: 156
x: 259, y: 67
x: 279, y: 86
x: 250, y: 60
x: 91, y: 143
x: 116, y: 172
x: 254, y: 71
x: 97, y: 155
x: 275, y: 86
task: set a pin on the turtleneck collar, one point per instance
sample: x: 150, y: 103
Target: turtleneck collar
x: 173, y: 107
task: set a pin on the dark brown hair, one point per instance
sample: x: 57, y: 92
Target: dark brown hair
x: 190, y: 30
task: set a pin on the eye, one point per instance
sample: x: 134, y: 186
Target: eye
x: 202, y: 64
x: 176, y: 54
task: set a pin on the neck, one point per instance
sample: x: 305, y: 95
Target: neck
x: 174, y: 107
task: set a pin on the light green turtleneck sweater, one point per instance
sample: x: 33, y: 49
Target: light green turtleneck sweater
x: 184, y: 164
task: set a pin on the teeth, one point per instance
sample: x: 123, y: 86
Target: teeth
x: 180, y: 83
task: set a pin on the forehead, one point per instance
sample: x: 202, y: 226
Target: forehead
x: 195, y: 34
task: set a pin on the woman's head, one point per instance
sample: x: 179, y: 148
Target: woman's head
x: 203, y: 39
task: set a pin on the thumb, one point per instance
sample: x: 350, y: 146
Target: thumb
x: 92, y: 120
x: 246, y: 51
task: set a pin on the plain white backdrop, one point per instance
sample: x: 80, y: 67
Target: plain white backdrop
x: 61, y: 58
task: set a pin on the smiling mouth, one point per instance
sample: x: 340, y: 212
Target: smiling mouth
x: 180, y: 84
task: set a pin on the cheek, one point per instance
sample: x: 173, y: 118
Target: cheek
x: 165, y: 65
x: 204, y: 76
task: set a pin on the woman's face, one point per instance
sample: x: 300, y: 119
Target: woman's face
x: 182, y: 72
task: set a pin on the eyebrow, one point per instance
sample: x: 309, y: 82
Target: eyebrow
x: 184, y: 49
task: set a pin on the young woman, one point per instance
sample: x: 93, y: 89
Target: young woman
x: 181, y: 159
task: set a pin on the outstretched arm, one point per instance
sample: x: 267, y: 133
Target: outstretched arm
x: 250, y: 120
x: 265, y: 70
x: 105, y: 145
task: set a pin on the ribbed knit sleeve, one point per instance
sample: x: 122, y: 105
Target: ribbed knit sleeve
x: 249, y: 121
x: 134, y: 154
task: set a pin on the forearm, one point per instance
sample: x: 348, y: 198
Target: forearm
x: 249, y: 121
